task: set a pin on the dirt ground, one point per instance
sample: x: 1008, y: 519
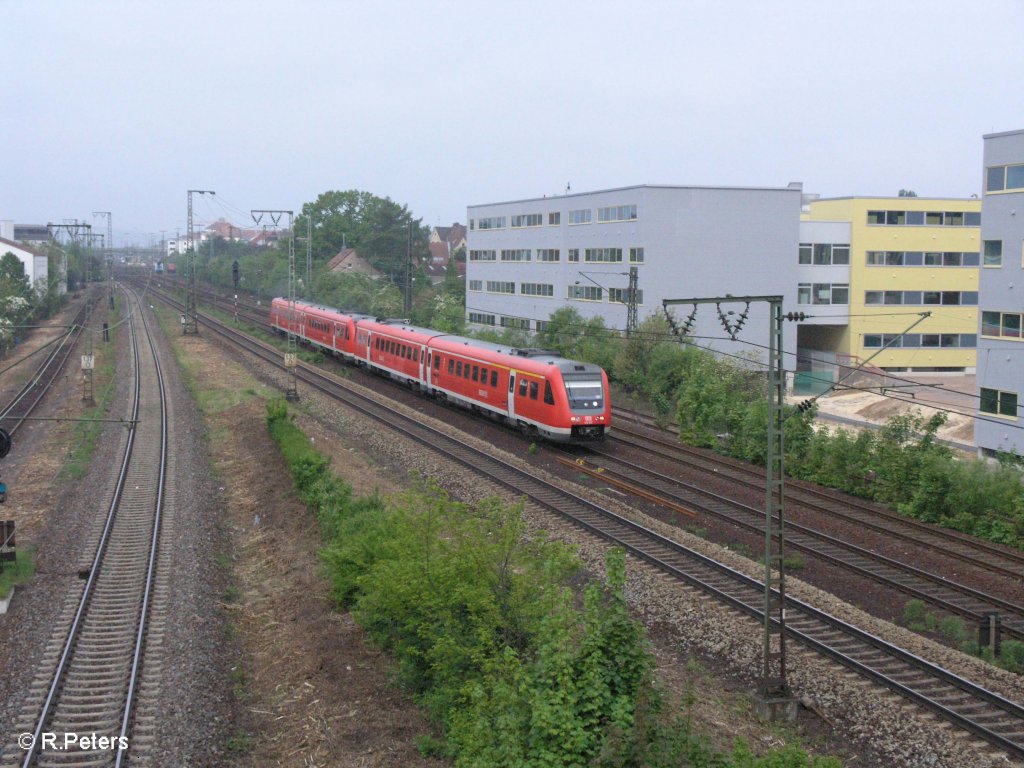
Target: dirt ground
x: 949, y: 393
x: 313, y: 690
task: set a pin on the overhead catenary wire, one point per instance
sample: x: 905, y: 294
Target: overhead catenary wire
x: 610, y: 333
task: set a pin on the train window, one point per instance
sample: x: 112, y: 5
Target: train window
x: 404, y: 351
x: 533, y: 390
x: 466, y: 373
x: 476, y: 373
x: 437, y: 362
x: 458, y: 368
x: 494, y: 378
x: 549, y: 398
x: 416, y: 355
x: 483, y: 375
x: 451, y: 365
x: 522, y: 387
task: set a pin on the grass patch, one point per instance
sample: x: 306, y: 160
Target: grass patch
x: 211, y: 401
x: 18, y: 572
x: 87, y: 433
x: 955, y: 630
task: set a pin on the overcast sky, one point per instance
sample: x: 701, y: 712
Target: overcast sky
x: 124, y: 106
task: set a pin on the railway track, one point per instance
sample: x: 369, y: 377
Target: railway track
x: 89, y: 679
x: 956, y: 699
x: 934, y: 589
x: 977, y: 553
x: 25, y: 401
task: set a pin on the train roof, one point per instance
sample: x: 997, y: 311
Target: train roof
x: 305, y: 304
x: 542, y: 357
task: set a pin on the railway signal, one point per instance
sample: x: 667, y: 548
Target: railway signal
x: 234, y: 273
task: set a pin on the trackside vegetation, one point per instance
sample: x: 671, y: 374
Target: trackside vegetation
x: 515, y: 668
x: 719, y: 403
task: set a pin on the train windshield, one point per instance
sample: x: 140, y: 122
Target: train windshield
x: 585, y: 394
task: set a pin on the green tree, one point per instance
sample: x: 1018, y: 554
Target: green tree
x: 382, y: 231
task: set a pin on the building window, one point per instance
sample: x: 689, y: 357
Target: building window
x: 1004, y: 178
x: 993, y: 253
x: 548, y: 254
x: 515, y: 254
x: 500, y: 286
x: 998, y: 402
x: 621, y: 295
x: 476, y: 285
x: 520, y: 323
x: 585, y: 293
x: 554, y: 219
x: 1002, y: 325
x: 806, y: 249
x: 494, y: 222
x: 603, y: 255
x: 482, y: 255
x: 636, y: 255
x: 823, y: 293
x: 480, y: 319
x: 579, y: 217
x: 472, y: 224
x: 537, y: 289
x: 616, y: 213
x: 574, y: 254
x: 527, y: 220
x: 925, y: 218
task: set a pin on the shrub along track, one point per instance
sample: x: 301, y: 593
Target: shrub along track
x: 987, y: 715
x: 89, y: 682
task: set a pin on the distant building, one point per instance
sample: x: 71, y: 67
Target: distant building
x: 528, y: 258
x: 1001, y: 330
x: 35, y: 262
x: 869, y: 266
x: 348, y: 262
x: 454, y: 237
x: 32, y: 233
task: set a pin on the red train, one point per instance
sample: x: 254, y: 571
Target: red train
x: 540, y: 393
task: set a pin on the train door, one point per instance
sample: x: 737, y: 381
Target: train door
x: 511, y: 394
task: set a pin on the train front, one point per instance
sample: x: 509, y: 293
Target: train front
x: 590, y: 407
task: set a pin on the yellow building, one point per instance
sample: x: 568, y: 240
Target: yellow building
x: 905, y: 256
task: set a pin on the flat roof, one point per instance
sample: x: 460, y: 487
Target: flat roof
x: 892, y: 197
x: 794, y: 186
x: 1004, y: 133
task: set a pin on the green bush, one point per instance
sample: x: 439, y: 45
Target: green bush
x: 487, y: 635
